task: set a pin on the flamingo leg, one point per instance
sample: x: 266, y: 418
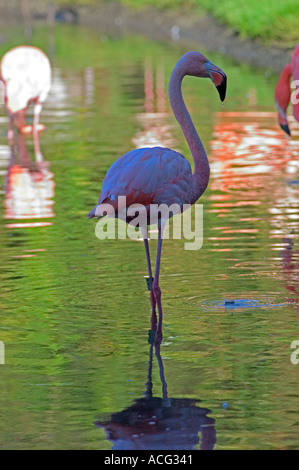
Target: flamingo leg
x: 37, y: 111
x: 10, y: 130
x: 150, y: 275
x: 156, y: 287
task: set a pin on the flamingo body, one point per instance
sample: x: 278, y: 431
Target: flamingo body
x: 148, y: 176
x: 283, y: 94
x: 26, y: 74
x: 295, y: 62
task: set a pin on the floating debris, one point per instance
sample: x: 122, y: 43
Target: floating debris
x: 234, y: 304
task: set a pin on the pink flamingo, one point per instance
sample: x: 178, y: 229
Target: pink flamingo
x: 160, y: 175
x: 282, y: 94
x: 26, y: 74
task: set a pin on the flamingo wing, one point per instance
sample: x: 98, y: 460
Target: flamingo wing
x: 149, y: 175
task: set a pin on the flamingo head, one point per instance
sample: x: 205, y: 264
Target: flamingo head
x: 197, y: 65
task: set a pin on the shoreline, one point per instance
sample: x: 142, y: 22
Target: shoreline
x: 185, y: 29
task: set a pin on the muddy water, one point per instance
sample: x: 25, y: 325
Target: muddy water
x: 79, y: 372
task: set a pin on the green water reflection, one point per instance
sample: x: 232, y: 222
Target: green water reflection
x: 75, y: 311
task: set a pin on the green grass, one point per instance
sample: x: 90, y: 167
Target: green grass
x: 269, y: 20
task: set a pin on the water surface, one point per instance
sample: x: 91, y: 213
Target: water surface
x: 75, y: 311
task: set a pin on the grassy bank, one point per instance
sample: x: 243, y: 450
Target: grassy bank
x: 267, y: 20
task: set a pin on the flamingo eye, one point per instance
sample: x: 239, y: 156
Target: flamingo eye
x: 207, y: 65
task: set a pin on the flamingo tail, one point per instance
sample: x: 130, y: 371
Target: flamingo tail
x: 92, y: 213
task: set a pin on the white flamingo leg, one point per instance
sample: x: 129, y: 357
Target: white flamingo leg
x: 10, y: 130
x: 37, y: 111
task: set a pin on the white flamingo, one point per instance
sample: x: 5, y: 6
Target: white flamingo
x: 26, y: 74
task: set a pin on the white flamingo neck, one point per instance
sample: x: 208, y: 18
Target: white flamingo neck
x: 201, y: 172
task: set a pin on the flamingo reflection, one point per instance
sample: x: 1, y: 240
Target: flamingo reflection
x: 249, y: 157
x: 290, y: 266
x: 290, y: 269
x: 157, y: 423
x: 247, y: 149
x: 29, y: 188
x: 247, y: 152
x: 26, y: 74
x: 156, y: 131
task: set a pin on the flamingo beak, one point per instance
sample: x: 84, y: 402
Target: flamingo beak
x: 219, y: 79
x: 285, y: 128
x: 222, y: 88
x: 282, y: 119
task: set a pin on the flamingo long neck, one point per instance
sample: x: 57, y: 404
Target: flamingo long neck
x: 282, y: 89
x: 201, y: 174
x: 286, y: 73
